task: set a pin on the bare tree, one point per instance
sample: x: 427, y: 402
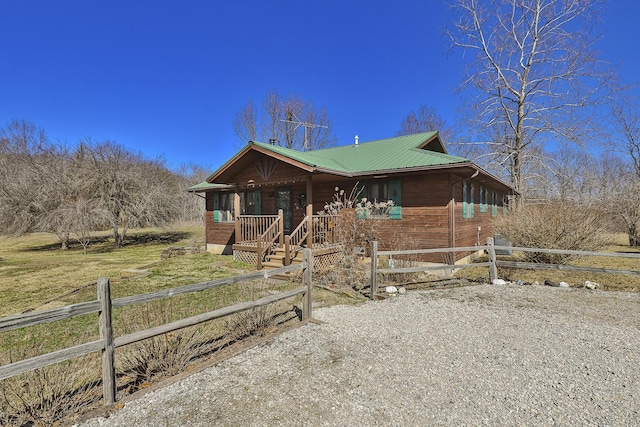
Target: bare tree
x: 132, y: 191
x: 620, y: 194
x: 624, y: 188
x: 534, y: 72
x: 627, y: 121
x: 289, y: 121
x: 72, y: 193
x: 26, y: 160
x: 192, y: 205
x: 426, y: 119
x: 245, y: 123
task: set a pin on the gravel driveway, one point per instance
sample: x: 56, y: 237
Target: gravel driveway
x: 481, y: 355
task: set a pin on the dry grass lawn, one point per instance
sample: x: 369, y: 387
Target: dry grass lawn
x: 609, y: 282
x: 34, y: 271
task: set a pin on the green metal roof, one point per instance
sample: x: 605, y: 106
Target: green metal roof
x: 369, y: 157
x: 203, y: 186
x: 389, y: 155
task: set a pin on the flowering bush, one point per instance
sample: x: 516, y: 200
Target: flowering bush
x: 364, y: 208
x: 368, y: 209
x: 341, y: 200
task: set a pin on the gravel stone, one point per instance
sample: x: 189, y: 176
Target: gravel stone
x: 482, y: 355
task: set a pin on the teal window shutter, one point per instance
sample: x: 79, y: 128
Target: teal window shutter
x: 216, y: 207
x: 395, y: 212
x: 362, y: 214
x: 395, y: 191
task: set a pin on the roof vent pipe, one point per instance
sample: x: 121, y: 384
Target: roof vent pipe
x: 272, y: 141
x: 356, y: 138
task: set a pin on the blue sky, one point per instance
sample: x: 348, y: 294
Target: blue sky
x: 167, y: 77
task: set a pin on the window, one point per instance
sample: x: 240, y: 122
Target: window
x: 468, y: 209
x: 222, y: 207
x: 224, y: 210
x: 484, y: 206
x: 494, y: 203
x: 250, y: 203
x: 380, y: 191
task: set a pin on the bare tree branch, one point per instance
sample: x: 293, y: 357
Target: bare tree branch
x: 279, y: 120
x: 534, y: 74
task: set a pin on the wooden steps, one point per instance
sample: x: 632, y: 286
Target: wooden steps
x: 276, y: 259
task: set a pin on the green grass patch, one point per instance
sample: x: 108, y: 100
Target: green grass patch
x: 34, y: 271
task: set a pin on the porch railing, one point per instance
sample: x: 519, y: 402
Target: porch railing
x: 324, y: 229
x: 250, y: 227
x: 266, y: 231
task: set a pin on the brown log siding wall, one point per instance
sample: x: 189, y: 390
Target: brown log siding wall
x: 221, y: 233
x: 425, y: 219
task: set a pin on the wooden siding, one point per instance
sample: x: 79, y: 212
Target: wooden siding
x: 466, y: 229
x: 219, y: 233
x: 426, y: 206
x: 280, y: 172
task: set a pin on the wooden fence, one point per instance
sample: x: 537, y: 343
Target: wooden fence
x: 107, y: 343
x: 493, y: 263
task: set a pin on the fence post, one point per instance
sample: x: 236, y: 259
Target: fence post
x: 374, y: 268
x: 307, y: 279
x: 309, y: 219
x: 106, y: 334
x: 287, y: 250
x: 493, y: 269
x: 259, y: 252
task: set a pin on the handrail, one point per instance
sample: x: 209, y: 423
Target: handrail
x: 295, y: 239
x: 268, y: 238
x: 300, y: 233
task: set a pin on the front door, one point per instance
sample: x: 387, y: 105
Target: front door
x: 283, y: 201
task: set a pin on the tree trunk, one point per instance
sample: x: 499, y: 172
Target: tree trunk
x: 117, y: 240
x: 634, y: 236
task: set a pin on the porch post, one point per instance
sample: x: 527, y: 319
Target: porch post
x: 451, y: 206
x: 236, y: 213
x: 281, y: 227
x: 452, y: 219
x: 309, y: 212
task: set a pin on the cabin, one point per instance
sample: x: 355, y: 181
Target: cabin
x: 267, y: 202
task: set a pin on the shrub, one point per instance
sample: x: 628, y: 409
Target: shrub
x: 358, y: 221
x: 44, y: 396
x: 554, y: 225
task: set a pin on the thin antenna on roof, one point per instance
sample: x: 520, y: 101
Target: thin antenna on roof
x: 306, y: 125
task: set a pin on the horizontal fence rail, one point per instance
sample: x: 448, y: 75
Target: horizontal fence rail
x: 108, y: 343
x: 493, y: 262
